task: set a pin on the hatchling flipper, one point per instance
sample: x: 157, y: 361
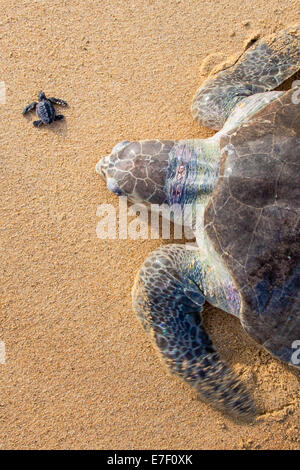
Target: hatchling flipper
x: 58, y: 117
x: 37, y: 123
x: 261, y: 68
x: 29, y: 107
x: 58, y: 101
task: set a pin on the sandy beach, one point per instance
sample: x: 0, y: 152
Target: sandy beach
x: 79, y: 371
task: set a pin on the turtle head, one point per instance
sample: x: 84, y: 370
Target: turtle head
x: 41, y: 96
x: 137, y: 170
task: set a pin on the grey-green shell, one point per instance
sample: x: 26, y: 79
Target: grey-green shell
x: 252, y: 221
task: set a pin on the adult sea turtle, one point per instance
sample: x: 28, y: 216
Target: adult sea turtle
x: 244, y: 184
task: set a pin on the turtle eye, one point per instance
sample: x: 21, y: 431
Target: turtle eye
x: 120, y: 146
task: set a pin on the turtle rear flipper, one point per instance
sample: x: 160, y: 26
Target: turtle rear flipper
x: 261, y: 68
x: 168, y: 304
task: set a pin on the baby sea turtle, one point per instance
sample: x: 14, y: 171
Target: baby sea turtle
x: 241, y: 191
x: 45, y: 109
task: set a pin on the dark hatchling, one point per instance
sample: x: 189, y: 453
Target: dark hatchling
x: 45, y: 110
x: 242, y: 188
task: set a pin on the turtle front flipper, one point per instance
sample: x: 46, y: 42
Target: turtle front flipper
x: 57, y: 101
x: 29, y: 107
x: 168, y: 302
x: 261, y: 68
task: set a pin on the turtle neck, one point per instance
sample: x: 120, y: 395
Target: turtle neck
x: 193, y: 171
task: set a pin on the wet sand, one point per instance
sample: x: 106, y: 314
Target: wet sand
x: 79, y: 371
